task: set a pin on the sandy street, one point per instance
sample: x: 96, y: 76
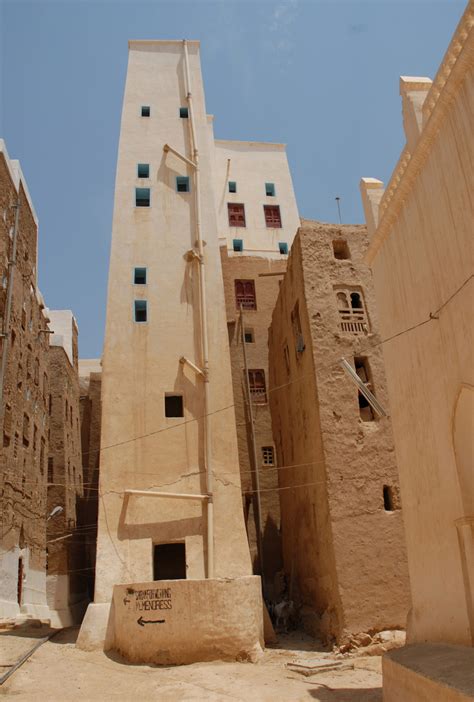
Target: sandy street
x: 58, y: 671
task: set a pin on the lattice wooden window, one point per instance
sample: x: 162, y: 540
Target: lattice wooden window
x: 236, y: 213
x: 352, y: 313
x: 268, y: 456
x: 258, y: 390
x: 272, y: 216
x: 245, y: 295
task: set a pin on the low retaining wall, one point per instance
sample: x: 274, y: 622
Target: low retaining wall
x: 429, y: 673
x: 185, y: 621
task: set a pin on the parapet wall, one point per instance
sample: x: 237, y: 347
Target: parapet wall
x: 183, y: 621
x: 174, y: 622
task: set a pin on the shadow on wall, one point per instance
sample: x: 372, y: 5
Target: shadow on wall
x: 174, y: 529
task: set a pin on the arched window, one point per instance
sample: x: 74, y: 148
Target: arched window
x: 356, y: 302
x: 342, y: 301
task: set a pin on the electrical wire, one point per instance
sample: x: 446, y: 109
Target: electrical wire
x: 335, y: 363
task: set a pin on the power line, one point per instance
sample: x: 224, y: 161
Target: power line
x: 432, y: 316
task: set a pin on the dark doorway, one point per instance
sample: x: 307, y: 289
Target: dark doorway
x: 169, y: 562
x: 19, y: 590
x: 174, y: 406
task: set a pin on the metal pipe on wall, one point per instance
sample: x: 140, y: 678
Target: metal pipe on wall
x: 204, y: 324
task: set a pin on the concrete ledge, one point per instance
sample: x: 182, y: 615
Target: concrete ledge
x: 184, y: 621
x: 429, y: 673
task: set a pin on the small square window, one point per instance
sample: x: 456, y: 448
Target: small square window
x: 283, y: 247
x: 272, y: 216
x: 142, y: 197
x: 183, y: 112
x: 143, y: 170
x: 341, y: 249
x: 139, y: 277
x: 182, y: 184
x: 140, y: 311
x: 232, y: 186
x: 145, y: 110
x: 270, y: 189
x: 249, y: 336
x: 268, y: 456
x: 174, y: 406
x: 236, y: 212
x: 238, y: 244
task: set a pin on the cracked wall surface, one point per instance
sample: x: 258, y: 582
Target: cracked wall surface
x: 343, y: 551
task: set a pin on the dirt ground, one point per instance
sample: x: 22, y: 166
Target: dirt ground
x: 58, y: 671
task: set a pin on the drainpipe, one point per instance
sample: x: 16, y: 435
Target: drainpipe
x: 5, y: 335
x: 204, y: 328
x: 254, y: 453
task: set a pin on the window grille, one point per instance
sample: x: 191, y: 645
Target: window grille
x: 236, y: 214
x: 245, y: 295
x: 352, y: 313
x: 272, y: 216
x: 258, y: 390
x: 268, y: 457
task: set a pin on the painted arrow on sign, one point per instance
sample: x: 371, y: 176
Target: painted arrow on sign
x: 142, y: 621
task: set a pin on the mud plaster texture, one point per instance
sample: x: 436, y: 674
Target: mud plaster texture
x: 239, y: 267
x: 24, y: 410
x: 90, y: 379
x: 65, y: 479
x: 343, y: 551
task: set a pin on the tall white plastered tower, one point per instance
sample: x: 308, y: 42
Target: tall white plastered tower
x: 168, y: 425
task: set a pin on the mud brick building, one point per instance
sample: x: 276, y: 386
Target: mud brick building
x: 256, y: 320
x: 24, y: 402
x: 342, y: 530
x: 65, y: 582
x: 90, y: 382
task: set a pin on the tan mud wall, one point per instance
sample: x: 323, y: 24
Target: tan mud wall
x: 424, y: 260
x: 183, y: 621
x: 24, y: 412
x: 357, y: 579
x: 266, y: 288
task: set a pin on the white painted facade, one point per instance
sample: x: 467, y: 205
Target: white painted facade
x: 61, y: 324
x: 141, y: 447
x: 251, y: 166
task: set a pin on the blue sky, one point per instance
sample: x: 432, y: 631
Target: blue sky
x: 320, y: 76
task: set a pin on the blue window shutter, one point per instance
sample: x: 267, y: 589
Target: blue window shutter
x: 141, y: 311
x: 270, y: 189
x: 182, y: 184
x: 142, y: 197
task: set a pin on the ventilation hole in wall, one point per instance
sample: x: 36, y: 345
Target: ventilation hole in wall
x: 387, y: 498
